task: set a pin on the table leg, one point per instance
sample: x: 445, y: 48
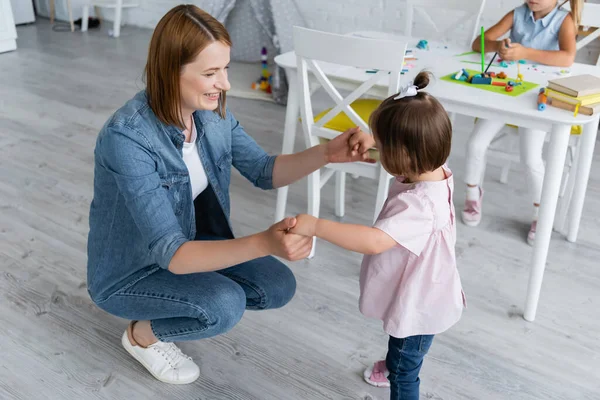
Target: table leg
x: 559, y: 142
x: 584, y: 164
x: 289, y: 135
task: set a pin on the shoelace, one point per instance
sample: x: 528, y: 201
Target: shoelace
x: 172, y: 353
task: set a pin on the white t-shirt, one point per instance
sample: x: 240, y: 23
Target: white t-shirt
x: 192, y: 161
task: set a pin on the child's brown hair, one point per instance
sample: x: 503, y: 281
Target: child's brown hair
x: 414, y: 133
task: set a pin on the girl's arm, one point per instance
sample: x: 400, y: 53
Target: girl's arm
x: 560, y: 58
x: 492, y: 44
x: 359, y: 238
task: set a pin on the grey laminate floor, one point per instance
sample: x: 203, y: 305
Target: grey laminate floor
x: 58, y: 89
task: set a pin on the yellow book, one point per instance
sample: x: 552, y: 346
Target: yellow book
x: 582, y: 101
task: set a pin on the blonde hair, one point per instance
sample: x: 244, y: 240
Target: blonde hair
x: 576, y: 7
x: 177, y: 40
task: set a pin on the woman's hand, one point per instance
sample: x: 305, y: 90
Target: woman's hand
x: 305, y: 225
x: 280, y: 242
x: 350, y: 146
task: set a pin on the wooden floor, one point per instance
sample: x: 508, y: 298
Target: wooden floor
x: 58, y: 89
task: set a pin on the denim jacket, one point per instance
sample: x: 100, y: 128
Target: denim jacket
x: 142, y: 209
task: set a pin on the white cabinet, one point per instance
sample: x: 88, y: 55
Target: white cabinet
x: 23, y: 11
x: 8, y: 32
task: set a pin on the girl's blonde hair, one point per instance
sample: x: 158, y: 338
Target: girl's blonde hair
x: 177, y: 39
x: 576, y: 7
x: 414, y: 133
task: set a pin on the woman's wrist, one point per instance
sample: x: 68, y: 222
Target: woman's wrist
x: 324, y: 153
x: 261, y: 243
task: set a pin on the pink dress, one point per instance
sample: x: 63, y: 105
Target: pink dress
x: 414, y: 288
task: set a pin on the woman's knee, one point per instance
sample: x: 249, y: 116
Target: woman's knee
x: 228, y: 309
x: 282, y: 286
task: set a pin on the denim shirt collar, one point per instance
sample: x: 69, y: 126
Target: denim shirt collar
x: 202, y: 118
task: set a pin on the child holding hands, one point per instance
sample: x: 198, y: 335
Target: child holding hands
x: 408, y: 277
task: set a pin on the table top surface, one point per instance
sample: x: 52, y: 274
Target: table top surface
x: 443, y: 59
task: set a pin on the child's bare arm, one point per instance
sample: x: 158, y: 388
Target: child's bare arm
x: 563, y: 57
x: 359, y: 238
x: 492, y: 44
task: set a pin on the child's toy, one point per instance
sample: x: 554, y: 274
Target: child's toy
x: 522, y: 62
x: 503, y: 64
x: 519, y: 75
x: 509, y: 88
x: 482, y: 79
x: 482, y: 51
x: 542, y: 100
x: 462, y: 75
x: 423, y: 45
x: 498, y: 83
x: 501, y: 75
x: 492, y: 74
x: 264, y: 82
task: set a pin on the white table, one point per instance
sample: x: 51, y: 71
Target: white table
x: 520, y: 111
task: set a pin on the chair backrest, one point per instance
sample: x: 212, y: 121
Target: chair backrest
x: 316, y: 50
x: 469, y: 15
x: 590, y: 18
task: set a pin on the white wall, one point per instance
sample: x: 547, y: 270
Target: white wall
x: 332, y: 15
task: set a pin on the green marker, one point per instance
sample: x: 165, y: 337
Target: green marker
x: 482, y: 51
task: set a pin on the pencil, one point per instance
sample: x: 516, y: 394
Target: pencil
x: 490, y: 64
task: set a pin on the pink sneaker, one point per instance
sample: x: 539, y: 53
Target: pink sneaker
x: 531, y: 234
x: 377, y: 374
x: 471, y: 214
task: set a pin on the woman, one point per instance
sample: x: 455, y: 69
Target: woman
x: 161, y: 252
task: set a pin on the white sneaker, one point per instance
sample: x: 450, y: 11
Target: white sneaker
x: 163, y: 360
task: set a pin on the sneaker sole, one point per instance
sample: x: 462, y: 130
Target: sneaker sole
x: 471, y: 223
x: 127, y: 347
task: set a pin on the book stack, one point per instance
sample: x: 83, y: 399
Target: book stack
x: 579, y: 94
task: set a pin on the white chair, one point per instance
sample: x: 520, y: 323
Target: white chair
x: 314, y: 48
x: 470, y: 16
x: 589, y: 24
x: 590, y: 18
x: 469, y: 13
x: 117, y: 5
x: 69, y: 10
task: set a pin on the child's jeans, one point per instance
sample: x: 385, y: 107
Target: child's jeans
x: 404, y: 360
x: 530, y: 149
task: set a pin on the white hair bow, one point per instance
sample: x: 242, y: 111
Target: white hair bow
x: 407, y: 91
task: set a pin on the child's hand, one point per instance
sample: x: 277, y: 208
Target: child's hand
x: 341, y: 149
x: 361, y: 142
x: 514, y: 52
x: 305, y: 225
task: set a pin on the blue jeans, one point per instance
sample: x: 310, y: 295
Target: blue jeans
x: 202, y: 305
x: 404, y: 360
